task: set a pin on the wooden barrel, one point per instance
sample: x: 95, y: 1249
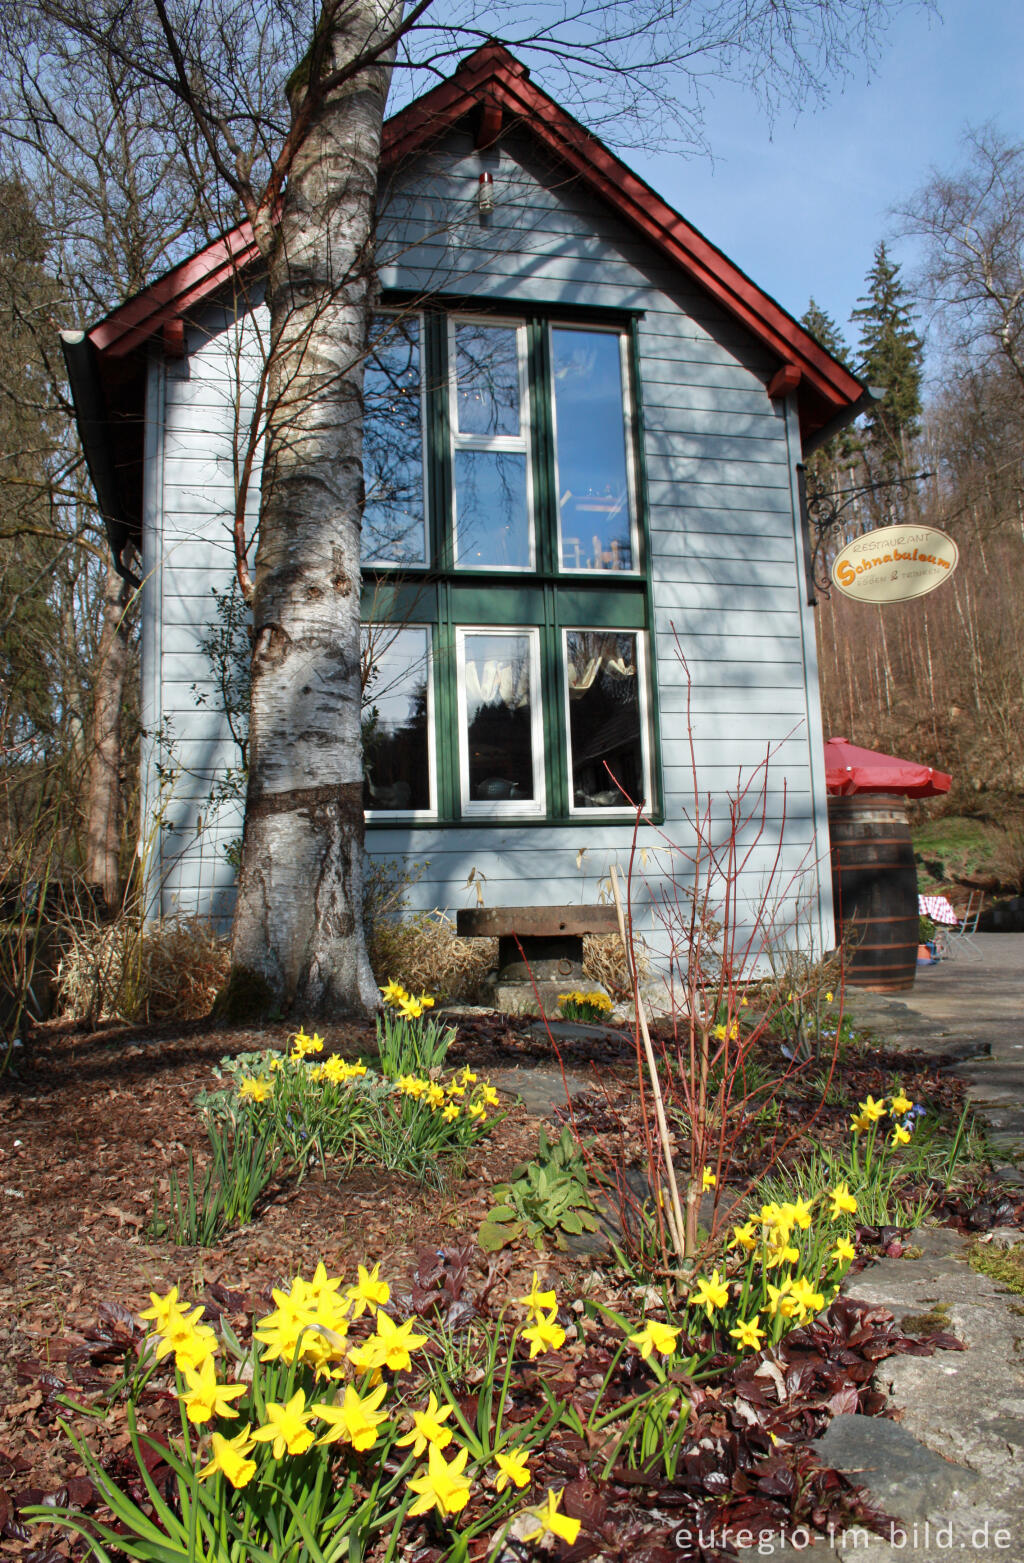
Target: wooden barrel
x: 874, y: 890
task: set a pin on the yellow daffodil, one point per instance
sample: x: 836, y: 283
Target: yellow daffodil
x: 655, y: 1337
x: 743, y: 1237
x: 489, y: 1095
x: 514, y: 1467
x: 844, y: 1251
x: 467, y: 1077
x: 203, y: 1398
x: 829, y: 997
x: 708, y: 1180
x: 477, y: 1112
x: 900, y: 1136
x: 536, y: 1302
x: 860, y: 1123
x: 781, y: 1300
x: 544, y: 1335
x: 842, y: 1200
x: 410, y: 1007
x: 393, y: 993
x: 450, y: 1113
x: 428, y: 1428
x: 711, y: 1294
x: 426, y: 1002
x: 334, y: 1069
x: 748, y: 1332
x: 355, y: 1420
x: 551, y: 1523
x: 871, y: 1109
x: 900, y: 1105
x: 303, y: 1045
x: 369, y: 1292
x: 412, y: 1086
x: 443, y: 1486
x: 801, y: 1213
x: 778, y: 1254
x: 390, y: 1347
x: 719, y: 1033
x: 230, y: 1458
x: 282, y: 1330
x: 276, y: 1064
x: 165, y: 1311
x: 808, y: 1300
x: 251, y: 1089
x: 287, y: 1426
x: 435, y: 1094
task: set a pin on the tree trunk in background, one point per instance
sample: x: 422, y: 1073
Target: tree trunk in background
x: 298, y: 919
x: 103, y: 784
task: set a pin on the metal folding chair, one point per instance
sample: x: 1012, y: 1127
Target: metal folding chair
x: 962, y: 936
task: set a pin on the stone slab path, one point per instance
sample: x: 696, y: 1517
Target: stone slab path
x: 973, y: 1008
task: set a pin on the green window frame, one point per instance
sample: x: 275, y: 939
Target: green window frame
x: 547, y: 598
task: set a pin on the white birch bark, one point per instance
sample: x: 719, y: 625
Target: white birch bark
x: 298, y: 919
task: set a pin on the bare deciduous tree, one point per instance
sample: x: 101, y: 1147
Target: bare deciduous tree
x: 287, y: 105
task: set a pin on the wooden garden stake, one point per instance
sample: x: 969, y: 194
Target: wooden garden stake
x: 675, y: 1214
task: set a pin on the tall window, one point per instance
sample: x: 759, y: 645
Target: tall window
x: 512, y: 608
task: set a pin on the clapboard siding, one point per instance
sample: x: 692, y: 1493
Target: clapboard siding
x: 726, y: 562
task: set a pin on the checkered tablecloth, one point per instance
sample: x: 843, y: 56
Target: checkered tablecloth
x: 938, y: 909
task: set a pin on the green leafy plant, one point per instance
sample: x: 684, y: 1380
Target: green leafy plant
x: 408, y: 1040
x: 245, y: 1158
x: 546, y: 1198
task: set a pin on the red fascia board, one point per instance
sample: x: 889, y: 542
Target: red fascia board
x: 189, y: 283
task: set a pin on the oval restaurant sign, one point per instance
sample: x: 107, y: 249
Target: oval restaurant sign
x: 894, y: 563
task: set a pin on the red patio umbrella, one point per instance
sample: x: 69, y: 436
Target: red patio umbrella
x: 850, y: 769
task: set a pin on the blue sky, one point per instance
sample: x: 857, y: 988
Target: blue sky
x: 801, y: 205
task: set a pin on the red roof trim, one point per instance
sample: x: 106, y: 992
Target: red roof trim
x: 493, y: 74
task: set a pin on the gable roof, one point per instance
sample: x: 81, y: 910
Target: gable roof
x: 493, y: 87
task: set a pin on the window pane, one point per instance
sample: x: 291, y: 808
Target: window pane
x: 486, y: 378
x: 492, y: 523
x: 593, y: 491
x: 394, y: 516
x: 396, y: 751
x: 604, y: 719
x: 499, y: 703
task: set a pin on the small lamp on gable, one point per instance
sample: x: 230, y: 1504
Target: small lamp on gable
x: 485, y: 194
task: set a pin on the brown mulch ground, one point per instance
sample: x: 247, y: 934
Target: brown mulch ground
x: 89, y: 1123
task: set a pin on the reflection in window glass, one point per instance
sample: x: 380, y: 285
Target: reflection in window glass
x: 393, y: 519
x: 486, y: 379
x: 593, y: 490
x: 497, y: 678
x: 395, y: 715
x: 605, y: 742
x: 492, y: 522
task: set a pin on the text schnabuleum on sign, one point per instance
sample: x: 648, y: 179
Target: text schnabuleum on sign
x: 894, y: 563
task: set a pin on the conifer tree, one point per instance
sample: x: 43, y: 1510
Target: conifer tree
x: 891, y: 358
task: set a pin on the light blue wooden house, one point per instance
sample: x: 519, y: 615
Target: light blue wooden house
x: 585, y: 428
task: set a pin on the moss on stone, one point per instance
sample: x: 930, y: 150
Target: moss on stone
x: 1003, y: 1265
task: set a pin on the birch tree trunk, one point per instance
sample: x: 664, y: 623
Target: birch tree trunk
x: 103, y: 784
x: 298, y: 919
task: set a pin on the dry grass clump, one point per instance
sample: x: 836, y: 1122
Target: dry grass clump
x: 423, y: 952
x: 167, y: 971
x: 604, y: 961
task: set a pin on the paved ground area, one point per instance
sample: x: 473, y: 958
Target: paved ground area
x: 973, y: 1007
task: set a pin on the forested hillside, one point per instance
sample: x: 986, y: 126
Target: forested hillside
x: 940, y: 678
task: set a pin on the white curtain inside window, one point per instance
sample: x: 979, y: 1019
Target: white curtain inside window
x: 592, y: 655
